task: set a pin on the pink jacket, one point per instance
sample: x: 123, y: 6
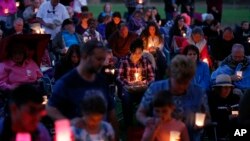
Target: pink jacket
x: 12, y: 75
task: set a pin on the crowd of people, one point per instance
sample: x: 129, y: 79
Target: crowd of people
x: 164, y: 71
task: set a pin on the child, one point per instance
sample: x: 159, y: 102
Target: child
x: 164, y: 126
x: 92, y: 127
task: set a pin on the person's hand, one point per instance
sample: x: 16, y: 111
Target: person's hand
x: 174, y: 6
x: 77, y: 122
x: 152, y: 49
x: 236, y: 78
x: 64, y: 50
x: 149, y: 121
x: 214, y: 9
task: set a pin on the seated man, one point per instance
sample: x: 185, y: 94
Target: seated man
x: 18, y: 28
x: 120, y: 41
x: 66, y: 38
x: 135, y: 74
x: 25, y: 111
x: 237, y: 65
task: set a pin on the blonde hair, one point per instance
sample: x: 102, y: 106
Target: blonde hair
x: 182, y: 68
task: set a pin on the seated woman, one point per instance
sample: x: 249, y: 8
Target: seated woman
x: 154, y: 44
x: 70, y: 61
x: 202, y: 74
x: 197, y: 39
x: 136, y: 22
x: 178, y: 29
x: 222, y: 102
x: 18, y: 69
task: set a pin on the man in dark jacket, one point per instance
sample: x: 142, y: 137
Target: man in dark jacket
x: 120, y: 41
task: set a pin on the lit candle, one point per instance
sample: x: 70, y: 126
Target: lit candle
x: 85, y: 39
x: 184, y: 34
x: 136, y: 76
x: 112, y: 71
x: 200, y: 119
x: 106, y: 70
x: 236, y: 113
x: 45, y: 100
x: 140, y: 1
x: 17, y: 4
x: 41, y: 31
x: 63, y: 130
x: 205, y: 60
x: 6, y: 11
x: 53, y: 63
x: 36, y: 9
x: 248, y: 39
x: 239, y: 73
x: 23, y: 137
x: 38, y: 31
x: 174, y: 135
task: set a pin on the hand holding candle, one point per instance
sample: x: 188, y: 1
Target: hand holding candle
x: 239, y: 74
x: 205, y: 60
x: 174, y: 135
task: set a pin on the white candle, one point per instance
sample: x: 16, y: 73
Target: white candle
x: 112, y: 71
x: 53, y: 63
x: 236, y: 113
x: 184, y: 34
x: 239, y: 73
x: 136, y: 76
x: 17, y: 4
x: 63, y: 130
x: 200, y: 119
x: 106, y: 70
x: 140, y: 1
x: 41, y: 31
x: 6, y: 11
x: 174, y: 135
x: 36, y: 9
x: 23, y: 137
x: 45, y: 100
x: 205, y: 60
x: 38, y: 31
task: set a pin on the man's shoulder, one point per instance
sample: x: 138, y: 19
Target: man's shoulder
x: 160, y: 85
x: 69, y: 77
x: 195, y: 87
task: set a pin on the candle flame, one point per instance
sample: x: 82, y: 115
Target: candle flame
x: 17, y: 4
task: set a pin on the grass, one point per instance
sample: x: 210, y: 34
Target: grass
x: 232, y: 14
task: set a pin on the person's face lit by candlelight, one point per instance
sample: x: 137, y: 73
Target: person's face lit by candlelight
x: 192, y: 55
x: 136, y: 55
x: 152, y: 30
x: 93, y: 121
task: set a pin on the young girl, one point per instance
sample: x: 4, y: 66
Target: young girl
x: 164, y: 127
x: 92, y: 127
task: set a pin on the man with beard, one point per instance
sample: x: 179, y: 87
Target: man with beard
x: 71, y: 88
